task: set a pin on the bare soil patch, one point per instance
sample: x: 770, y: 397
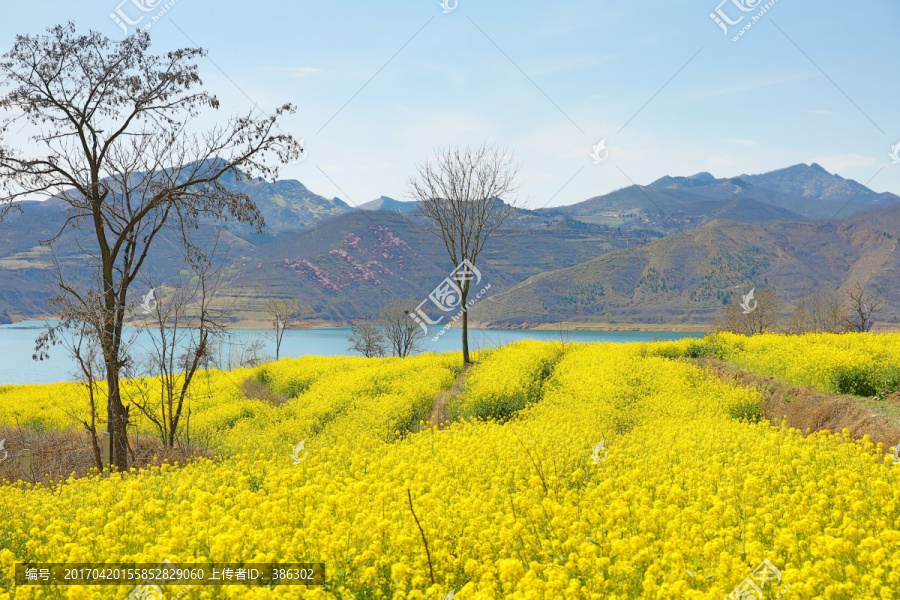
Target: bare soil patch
x: 257, y: 390
x: 809, y: 409
x: 440, y: 416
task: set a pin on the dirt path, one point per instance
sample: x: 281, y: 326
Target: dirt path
x: 806, y: 408
x: 439, y: 414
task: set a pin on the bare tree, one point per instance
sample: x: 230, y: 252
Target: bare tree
x: 182, y: 327
x: 89, y: 361
x: 113, y: 138
x: 402, y: 334
x: 368, y: 339
x: 863, y: 304
x: 762, y: 318
x: 245, y: 352
x: 818, y: 311
x: 79, y: 339
x: 563, y: 339
x: 460, y: 196
x: 283, y: 313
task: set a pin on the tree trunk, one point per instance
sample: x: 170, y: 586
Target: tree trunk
x: 116, y: 421
x: 465, y: 327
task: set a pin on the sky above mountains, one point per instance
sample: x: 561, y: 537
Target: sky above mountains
x: 379, y: 85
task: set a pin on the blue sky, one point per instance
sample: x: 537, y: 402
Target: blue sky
x: 547, y: 80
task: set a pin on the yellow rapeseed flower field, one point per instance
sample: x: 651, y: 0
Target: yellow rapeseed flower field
x: 506, y: 381
x: 831, y: 362
x: 686, y: 499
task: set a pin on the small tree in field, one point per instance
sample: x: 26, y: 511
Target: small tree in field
x: 183, y: 328
x: 283, y: 313
x: 863, y: 304
x: 763, y: 318
x: 368, y: 339
x: 459, y: 196
x: 113, y: 138
x: 402, y: 334
x: 818, y: 311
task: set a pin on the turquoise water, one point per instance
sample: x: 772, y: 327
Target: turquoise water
x: 17, y: 345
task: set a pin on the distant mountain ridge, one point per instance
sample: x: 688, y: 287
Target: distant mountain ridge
x: 287, y: 204
x: 389, y: 204
x: 813, y: 181
x: 676, y: 248
x: 676, y: 203
x: 688, y: 277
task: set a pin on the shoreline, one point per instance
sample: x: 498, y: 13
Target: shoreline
x: 249, y: 324
x: 260, y: 324
x: 669, y: 327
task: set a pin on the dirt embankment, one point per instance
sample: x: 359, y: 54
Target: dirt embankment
x: 806, y: 408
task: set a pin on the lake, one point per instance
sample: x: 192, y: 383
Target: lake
x: 17, y: 344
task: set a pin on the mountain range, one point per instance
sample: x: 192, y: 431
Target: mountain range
x: 672, y: 251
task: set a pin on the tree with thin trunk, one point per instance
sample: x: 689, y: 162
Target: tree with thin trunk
x: 85, y: 351
x: 368, y: 339
x: 863, y: 304
x: 113, y: 138
x: 284, y: 313
x: 818, y: 310
x: 402, y: 334
x: 461, y: 197
x: 182, y: 326
x: 763, y: 315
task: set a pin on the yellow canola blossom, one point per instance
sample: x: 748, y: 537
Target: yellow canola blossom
x: 689, y: 500
x: 854, y: 363
x: 505, y: 382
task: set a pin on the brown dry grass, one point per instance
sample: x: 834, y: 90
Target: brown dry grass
x: 809, y: 409
x: 55, y: 455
